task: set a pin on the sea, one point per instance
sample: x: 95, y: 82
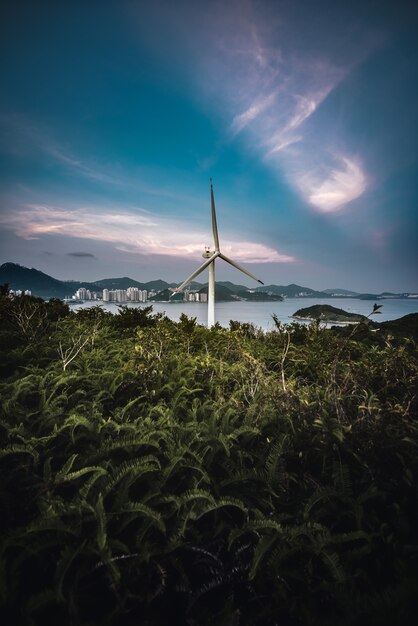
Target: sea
x: 260, y: 313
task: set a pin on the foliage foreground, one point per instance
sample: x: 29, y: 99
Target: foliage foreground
x: 155, y: 472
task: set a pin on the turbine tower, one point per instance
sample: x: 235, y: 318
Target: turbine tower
x: 210, y: 262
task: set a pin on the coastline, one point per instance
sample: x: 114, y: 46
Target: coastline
x: 314, y: 319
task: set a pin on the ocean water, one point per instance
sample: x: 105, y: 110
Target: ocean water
x: 260, y: 313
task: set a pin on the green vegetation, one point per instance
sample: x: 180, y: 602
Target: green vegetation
x: 327, y: 313
x: 259, y: 296
x: 162, y: 473
x: 222, y: 294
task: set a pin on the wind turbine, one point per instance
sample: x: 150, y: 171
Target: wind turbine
x: 210, y: 262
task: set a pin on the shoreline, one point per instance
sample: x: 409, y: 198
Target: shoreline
x: 314, y: 319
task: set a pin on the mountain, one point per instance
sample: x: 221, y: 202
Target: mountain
x: 45, y: 286
x: 232, y: 287
x: 293, y: 291
x: 222, y: 294
x: 40, y: 284
x: 164, y: 296
x: 119, y: 283
x: 259, y: 296
x: 158, y: 285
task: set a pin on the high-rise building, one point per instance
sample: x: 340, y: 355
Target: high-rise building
x: 121, y: 295
x: 83, y: 294
x: 133, y: 294
x: 105, y: 295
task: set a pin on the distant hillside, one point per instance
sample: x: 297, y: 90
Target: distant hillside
x: 293, y: 291
x: 40, y: 284
x: 222, y: 294
x: 45, y: 286
x: 369, y: 296
x: 342, y: 292
x: 158, y: 285
x: 233, y: 288
x: 164, y: 296
x: 327, y: 313
x: 125, y: 282
x: 120, y: 283
x: 259, y: 296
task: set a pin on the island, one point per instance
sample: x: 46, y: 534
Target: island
x: 329, y: 314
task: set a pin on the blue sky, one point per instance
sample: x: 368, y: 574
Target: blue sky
x: 114, y: 115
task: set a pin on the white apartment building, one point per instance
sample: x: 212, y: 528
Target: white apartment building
x: 132, y: 294
x: 83, y: 294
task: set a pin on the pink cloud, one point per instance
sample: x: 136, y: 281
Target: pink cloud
x: 131, y: 231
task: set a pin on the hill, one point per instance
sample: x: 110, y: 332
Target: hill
x: 327, y: 313
x: 406, y: 326
x: 222, y: 294
x: 158, y: 285
x: 40, y: 284
x: 232, y: 287
x: 259, y: 296
x: 293, y: 291
x: 45, y: 286
x: 164, y: 296
x: 120, y: 283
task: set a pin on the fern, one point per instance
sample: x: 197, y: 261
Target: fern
x: 332, y: 562
x: 67, y: 557
x: 17, y: 449
x: 101, y: 534
x: 264, y: 546
x: 137, y: 468
x: 100, y: 471
x: 219, y: 504
x: 150, y: 514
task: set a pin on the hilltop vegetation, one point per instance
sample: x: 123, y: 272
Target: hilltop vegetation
x: 162, y: 473
x: 327, y: 313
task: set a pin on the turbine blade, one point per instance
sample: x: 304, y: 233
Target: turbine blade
x: 197, y: 272
x: 214, y: 224
x: 240, y: 268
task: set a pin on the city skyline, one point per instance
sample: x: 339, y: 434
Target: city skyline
x: 113, y: 119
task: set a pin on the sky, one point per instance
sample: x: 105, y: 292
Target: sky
x: 114, y: 115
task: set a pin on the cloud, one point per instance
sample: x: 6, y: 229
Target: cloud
x: 82, y: 255
x: 339, y: 187
x: 240, y: 121
x: 272, y: 74
x: 306, y: 105
x: 130, y: 231
x: 280, y: 143
x: 89, y: 171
